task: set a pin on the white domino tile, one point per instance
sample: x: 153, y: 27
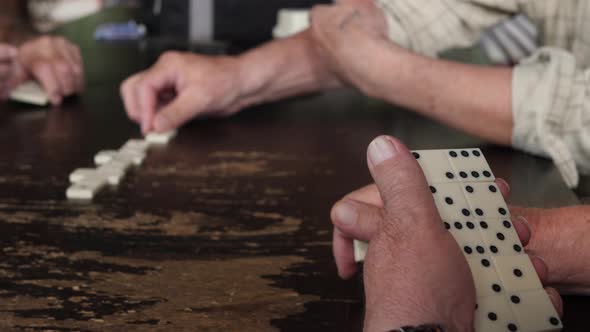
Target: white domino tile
x: 450, y: 201
x: 86, y: 189
x: 137, y: 157
x: 468, y: 237
x: 360, y: 250
x: 509, y: 293
x: 81, y: 173
x: 485, y: 276
x: 500, y: 237
x: 534, y: 311
x: 30, y: 92
x: 160, y: 138
x: 485, y: 200
x: 103, y: 157
x: 494, y: 314
x: 113, y: 175
x: 112, y: 166
x: 136, y: 145
x: 435, y: 165
x: 517, y: 273
x: 470, y: 165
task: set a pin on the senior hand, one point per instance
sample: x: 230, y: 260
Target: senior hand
x: 414, y: 271
x: 184, y: 86
x: 352, y: 37
x: 53, y: 61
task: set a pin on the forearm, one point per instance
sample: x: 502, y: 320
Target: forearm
x: 560, y: 237
x: 474, y: 99
x: 282, y: 68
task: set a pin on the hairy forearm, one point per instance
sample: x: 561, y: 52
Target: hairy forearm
x: 474, y: 99
x: 560, y: 237
x: 282, y: 68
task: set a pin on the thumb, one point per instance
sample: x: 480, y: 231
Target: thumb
x: 401, y: 182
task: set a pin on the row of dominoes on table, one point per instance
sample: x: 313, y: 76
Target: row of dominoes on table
x: 509, y: 294
x: 112, y: 165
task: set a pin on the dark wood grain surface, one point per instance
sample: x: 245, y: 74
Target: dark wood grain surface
x: 226, y: 229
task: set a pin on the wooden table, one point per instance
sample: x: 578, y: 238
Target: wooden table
x: 226, y: 229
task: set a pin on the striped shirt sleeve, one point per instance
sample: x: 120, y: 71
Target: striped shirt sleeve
x: 429, y: 28
x: 551, y: 110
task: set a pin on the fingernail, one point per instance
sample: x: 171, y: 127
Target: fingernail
x: 161, y: 123
x: 346, y: 214
x: 504, y: 183
x: 526, y: 223
x: 556, y: 300
x: 381, y: 149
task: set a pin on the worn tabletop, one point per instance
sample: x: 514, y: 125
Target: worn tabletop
x: 225, y: 229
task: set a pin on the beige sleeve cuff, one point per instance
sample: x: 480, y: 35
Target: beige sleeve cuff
x: 548, y: 101
x: 395, y: 31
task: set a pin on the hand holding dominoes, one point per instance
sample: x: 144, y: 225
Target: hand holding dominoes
x: 415, y: 272
x: 55, y: 63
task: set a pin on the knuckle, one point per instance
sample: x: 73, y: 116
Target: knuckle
x: 170, y: 57
x: 63, y: 68
x: 123, y: 88
x: 333, y: 216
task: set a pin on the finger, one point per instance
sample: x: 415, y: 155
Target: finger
x: 555, y: 299
x: 355, y: 219
x: 503, y: 186
x: 523, y: 229
x: 368, y: 195
x: 4, y: 72
x: 180, y: 110
x: 69, y: 53
x: 47, y: 76
x: 540, y: 267
x: 130, y: 97
x: 343, y: 250
x: 148, y: 88
x: 74, y: 51
x: 66, y: 77
x: 7, y: 52
x: 147, y: 96
x: 401, y: 183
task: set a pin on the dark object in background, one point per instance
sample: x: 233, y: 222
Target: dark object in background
x: 242, y: 23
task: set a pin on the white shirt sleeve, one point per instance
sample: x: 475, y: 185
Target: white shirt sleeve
x: 434, y: 26
x: 551, y: 109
